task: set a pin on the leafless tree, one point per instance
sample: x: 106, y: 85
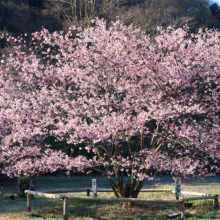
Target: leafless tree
x: 152, y: 13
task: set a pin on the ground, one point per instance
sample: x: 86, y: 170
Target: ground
x: 52, y: 209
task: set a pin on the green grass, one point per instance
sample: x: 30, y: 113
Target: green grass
x: 87, y: 210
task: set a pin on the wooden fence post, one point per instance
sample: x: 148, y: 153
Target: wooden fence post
x: 65, y: 208
x: 88, y: 192
x: 29, y: 197
x: 215, y: 202
x: 182, y: 208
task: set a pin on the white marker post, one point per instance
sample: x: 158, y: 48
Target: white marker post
x: 178, y: 187
x: 94, y: 187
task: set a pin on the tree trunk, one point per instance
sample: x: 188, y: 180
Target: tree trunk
x: 23, y: 185
x: 130, y: 190
x: 31, y: 187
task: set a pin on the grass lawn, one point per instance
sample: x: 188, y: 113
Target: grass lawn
x: 43, y: 208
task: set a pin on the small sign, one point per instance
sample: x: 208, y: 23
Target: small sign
x: 178, y: 187
x: 94, y: 186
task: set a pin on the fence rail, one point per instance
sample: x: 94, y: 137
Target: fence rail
x: 114, y: 199
x: 198, y: 198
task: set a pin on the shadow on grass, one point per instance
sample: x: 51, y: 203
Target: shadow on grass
x: 112, y: 210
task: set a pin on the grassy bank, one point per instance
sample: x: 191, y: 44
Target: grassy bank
x: 52, y: 209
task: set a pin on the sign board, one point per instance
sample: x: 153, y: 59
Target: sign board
x: 94, y: 186
x: 178, y: 187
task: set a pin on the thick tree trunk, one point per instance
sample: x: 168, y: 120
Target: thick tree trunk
x: 132, y: 187
x: 31, y: 187
x: 23, y: 185
x: 130, y: 190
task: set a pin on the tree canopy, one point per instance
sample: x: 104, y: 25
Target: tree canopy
x: 138, y: 104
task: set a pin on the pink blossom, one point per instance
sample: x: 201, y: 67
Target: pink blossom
x: 134, y: 103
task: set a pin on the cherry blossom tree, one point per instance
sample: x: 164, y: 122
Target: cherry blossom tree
x: 137, y: 104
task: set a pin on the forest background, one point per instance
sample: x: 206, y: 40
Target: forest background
x: 28, y: 16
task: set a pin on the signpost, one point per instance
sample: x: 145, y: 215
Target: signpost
x: 178, y: 187
x: 94, y: 187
